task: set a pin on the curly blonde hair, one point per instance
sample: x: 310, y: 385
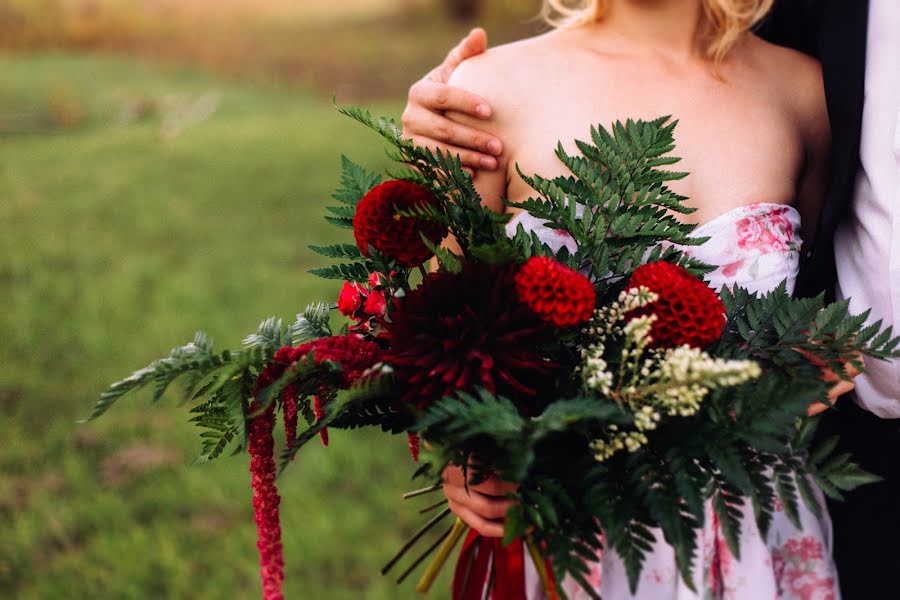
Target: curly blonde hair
x: 726, y: 20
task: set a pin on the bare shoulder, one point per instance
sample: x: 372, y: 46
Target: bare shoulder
x: 499, y: 74
x: 500, y: 61
x: 797, y: 78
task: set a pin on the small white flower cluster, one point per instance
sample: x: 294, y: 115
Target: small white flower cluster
x: 607, y: 321
x: 689, y: 374
x: 651, y: 383
x: 618, y: 441
x: 594, y: 372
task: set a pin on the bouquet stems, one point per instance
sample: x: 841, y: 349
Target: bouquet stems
x: 541, y: 566
x: 434, y: 568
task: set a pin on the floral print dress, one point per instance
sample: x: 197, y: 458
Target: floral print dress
x: 756, y: 246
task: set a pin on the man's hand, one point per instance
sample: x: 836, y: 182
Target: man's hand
x: 840, y: 387
x: 482, y: 507
x: 424, y: 121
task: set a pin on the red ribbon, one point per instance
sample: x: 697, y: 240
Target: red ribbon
x: 480, y: 555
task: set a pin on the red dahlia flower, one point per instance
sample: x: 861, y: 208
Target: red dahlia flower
x: 556, y: 293
x: 688, y: 311
x: 460, y: 330
x: 377, y: 224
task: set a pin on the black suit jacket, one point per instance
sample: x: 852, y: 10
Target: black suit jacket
x: 834, y: 31
x: 867, y: 523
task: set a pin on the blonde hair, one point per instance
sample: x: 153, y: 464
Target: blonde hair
x: 726, y: 20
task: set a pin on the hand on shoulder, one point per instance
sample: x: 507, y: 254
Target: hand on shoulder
x: 425, y: 123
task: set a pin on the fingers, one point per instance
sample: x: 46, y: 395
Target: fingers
x: 479, y: 524
x: 482, y: 507
x: 476, y: 149
x: 850, y: 370
x: 487, y: 507
x: 452, y: 476
x: 815, y: 409
x: 472, y: 45
x: 839, y: 389
x: 439, y: 96
x: 470, y: 160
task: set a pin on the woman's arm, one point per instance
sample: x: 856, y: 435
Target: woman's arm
x: 815, y: 131
x: 482, y: 507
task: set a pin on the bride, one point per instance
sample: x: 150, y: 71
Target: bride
x: 753, y: 132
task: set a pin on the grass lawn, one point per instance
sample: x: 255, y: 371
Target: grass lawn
x: 137, y: 204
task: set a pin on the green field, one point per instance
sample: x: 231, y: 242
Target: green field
x: 137, y: 204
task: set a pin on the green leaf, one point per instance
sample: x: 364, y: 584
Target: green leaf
x: 312, y: 323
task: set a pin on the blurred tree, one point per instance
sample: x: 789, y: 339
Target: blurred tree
x: 464, y: 10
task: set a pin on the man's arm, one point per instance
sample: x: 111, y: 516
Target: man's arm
x: 424, y: 121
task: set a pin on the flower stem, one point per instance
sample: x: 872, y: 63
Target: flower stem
x: 432, y: 507
x: 423, y: 491
x: 424, y: 555
x: 540, y: 566
x: 415, y: 538
x: 431, y: 573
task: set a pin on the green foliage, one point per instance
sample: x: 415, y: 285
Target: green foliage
x: 197, y: 357
x: 616, y: 204
x: 312, y: 323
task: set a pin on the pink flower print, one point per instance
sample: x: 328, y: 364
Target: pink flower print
x: 731, y: 269
x: 766, y: 232
x: 797, y: 566
x: 778, y: 567
x: 807, y: 585
x: 777, y: 505
x: 804, y: 549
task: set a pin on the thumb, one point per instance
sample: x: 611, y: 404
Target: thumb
x: 472, y: 45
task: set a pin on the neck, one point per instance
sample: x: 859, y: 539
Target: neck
x: 674, y: 27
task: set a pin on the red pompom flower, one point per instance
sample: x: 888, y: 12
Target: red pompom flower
x: 377, y: 224
x: 556, y: 293
x: 688, y: 311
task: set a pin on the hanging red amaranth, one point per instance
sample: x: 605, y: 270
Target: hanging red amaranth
x: 319, y: 410
x: 558, y: 294
x: 289, y: 406
x: 355, y: 356
x: 413, y: 439
x: 688, y: 311
x: 265, y: 494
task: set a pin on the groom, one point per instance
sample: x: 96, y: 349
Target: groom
x: 856, y: 252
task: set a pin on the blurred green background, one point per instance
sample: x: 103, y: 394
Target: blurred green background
x: 163, y: 167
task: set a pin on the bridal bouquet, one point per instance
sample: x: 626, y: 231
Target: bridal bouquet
x: 610, y: 383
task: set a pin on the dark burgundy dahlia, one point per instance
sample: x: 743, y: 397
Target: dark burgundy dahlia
x: 461, y: 330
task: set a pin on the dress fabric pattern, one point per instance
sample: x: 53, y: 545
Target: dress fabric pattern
x: 756, y: 246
